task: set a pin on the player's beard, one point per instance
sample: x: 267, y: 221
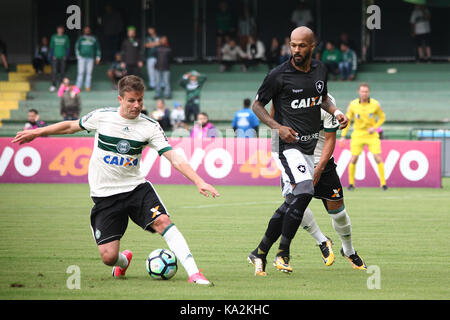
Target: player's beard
x: 303, y: 59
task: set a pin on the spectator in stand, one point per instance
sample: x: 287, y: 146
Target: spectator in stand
x: 112, y: 28
x: 33, y: 120
x: 162, y: 115
x: 192, y: 82
x: 3, y: 55
x: 162, y: 67
x: 348, y: 63
x: 65, y: 86
x: 151, y: 42
x: 285, y: 50
x: 302, y: 16
x: 344, y: 38
x: 70, y: 104
x: 59, y: 53
x: 41, y: 56
x: 317, y: 52
x: 131, y: 53
x: 331, y: 56
x: 232, y: 54
x: 87, y: 49
x: 224, y: 26
x: 116, y: 71
x: 256, y: 52
x: 203, y: 128
x: 245, y: 122
x: 246, y: 26
x: 273, y: 54
x: 421, y: 31
x: 177, y: 115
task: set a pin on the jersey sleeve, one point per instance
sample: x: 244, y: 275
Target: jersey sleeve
x: 89, y: 122
x: 269, y: 88
x: 330, y: 124
x: 159, y: 141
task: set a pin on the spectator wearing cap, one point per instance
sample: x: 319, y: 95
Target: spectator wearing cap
x: 132, y: 54
x: 177, y: 115
x: 192, y: 82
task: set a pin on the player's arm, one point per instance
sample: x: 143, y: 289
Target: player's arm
x: 331, y: 108
x: 381, y: 118
x: 286, y: 133
x: 327, y: 152
x: 179, y: 163
x: 344, y: 132
x: 64, y: 127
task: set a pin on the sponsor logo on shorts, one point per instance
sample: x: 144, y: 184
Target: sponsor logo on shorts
x: 120, y: 161
x: 98, y: 234
x: 155, y: 211
x: 336, y: 193
x: 123, y: 146
x: 302, y: 168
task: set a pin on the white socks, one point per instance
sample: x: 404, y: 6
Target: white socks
x: 122, y: 261
x: 309, y: 224
x: 342, y: 224
x: 177, y: 244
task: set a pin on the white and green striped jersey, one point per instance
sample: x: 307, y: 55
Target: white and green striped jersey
x: 115, y: 160
x: 329, y: 124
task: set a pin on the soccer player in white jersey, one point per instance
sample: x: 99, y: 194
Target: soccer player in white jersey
x: 328, y: 188
x: 118, y: 188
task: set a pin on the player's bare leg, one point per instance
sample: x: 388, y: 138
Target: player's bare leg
x: 351, y: 172
x: 111, y: 257
x: 178, y: 245
x: 380, y: 165
x: 342, y: 224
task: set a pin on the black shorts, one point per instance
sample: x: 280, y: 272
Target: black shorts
x: 422, y: 39
x: 329, y: 186
x: 109, y: 216
x: 191, y: 111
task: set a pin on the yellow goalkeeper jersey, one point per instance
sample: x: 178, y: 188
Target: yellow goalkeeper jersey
x: 364, y: 116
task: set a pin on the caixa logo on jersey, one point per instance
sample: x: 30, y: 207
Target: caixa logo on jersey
x: 306, y: 102
x: 121, y: 161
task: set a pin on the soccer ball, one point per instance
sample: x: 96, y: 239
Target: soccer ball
x: 161, y: 264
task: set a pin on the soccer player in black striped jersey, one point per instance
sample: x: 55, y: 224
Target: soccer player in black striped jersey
x: 298, y: 89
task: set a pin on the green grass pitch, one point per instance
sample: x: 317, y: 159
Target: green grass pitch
x: 44, y: 229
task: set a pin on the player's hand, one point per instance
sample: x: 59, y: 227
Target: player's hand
x: 371, y: 130
x: 140, y: 64
x: 24, y: 136
x: 207, y: 189
x: 342, y: 142
x: 288, y: 134
x: 317, y: 174
x: 343, y: 120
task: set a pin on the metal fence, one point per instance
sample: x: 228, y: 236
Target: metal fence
x: 442, y: 135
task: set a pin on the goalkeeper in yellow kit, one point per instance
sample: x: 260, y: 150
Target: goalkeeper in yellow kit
x: 367, y: 117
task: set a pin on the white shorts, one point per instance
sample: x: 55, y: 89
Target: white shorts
x: 295, y: 167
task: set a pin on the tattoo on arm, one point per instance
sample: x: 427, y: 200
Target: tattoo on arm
x: 328, y: 105
x: 264, y: 116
